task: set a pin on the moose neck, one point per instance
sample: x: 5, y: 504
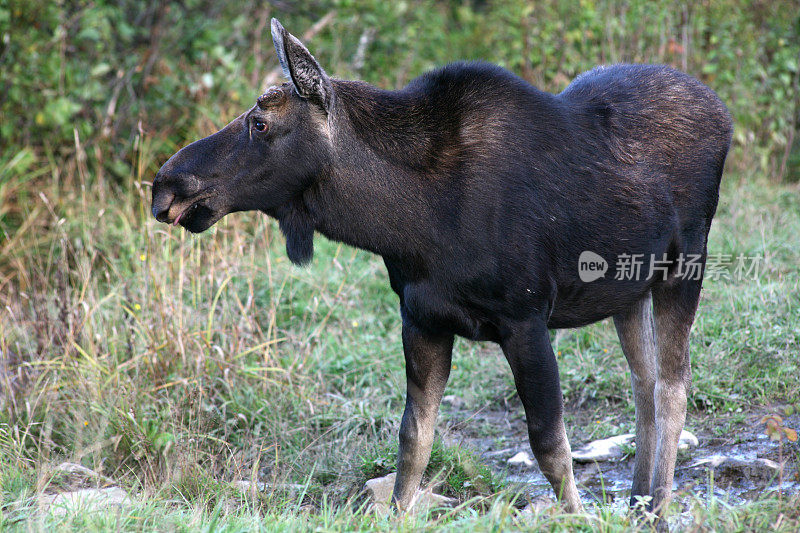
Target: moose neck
x: 377, y: 192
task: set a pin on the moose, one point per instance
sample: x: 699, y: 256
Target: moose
x: 480, y: 192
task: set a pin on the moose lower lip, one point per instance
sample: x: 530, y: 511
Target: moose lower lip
x: 184, y: 212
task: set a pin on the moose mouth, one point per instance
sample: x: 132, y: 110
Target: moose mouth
x: 196, y: 218
x: 186, y: 214
x: 194, y: 213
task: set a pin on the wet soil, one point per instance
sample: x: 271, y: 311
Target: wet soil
x: 735, y: 460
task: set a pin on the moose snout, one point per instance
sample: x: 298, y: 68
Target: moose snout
x: 163, y: 196
x: 161, y: 204
x: 168, y: 188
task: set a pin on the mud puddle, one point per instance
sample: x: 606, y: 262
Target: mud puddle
x: 740, y: 466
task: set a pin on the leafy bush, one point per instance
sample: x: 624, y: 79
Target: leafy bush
x: 92, y: 75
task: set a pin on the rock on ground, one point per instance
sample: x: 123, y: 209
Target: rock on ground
x: 86, y: 493
x: 687, y: 441
x: 611, y: 448
x: 521, y: 459
x: 260, y: 486
x: 603, y: 449
x: 379, y: 491
x: 84, y: 500
x: 538, y: 505
x: 80, y: 474
x: 755, y: 469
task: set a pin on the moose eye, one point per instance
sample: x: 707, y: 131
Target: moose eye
x: 260, y: 125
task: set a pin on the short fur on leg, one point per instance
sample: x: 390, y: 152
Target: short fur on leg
x: 428, y: 359
x: 535, y: 370
x: 674, y: 306
x: 635, y: 329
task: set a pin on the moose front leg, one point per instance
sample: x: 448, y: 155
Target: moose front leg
x: 535, y: 370
x: 428, y: 359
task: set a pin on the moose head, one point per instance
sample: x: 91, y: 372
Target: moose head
x: 262, y: 160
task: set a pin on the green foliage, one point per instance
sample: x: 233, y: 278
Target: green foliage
x: 114, y: 354
x: 91, y: 76
x: 459, y: 470
x: 464, y: 474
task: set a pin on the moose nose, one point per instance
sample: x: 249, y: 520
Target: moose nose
x: 162, y: 198
x: 161, y: 205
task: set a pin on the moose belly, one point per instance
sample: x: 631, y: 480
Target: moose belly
x: 432, y: 310
x: 575, y: 304
x: 580, y: 304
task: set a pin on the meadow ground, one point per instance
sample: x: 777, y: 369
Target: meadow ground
x: 178, y: 364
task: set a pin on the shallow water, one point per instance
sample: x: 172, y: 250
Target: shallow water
x: 744, y: 476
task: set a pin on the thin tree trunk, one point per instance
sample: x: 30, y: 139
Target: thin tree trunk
x: 794, y: 122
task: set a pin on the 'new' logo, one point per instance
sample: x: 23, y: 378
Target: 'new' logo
x: 591, y: 266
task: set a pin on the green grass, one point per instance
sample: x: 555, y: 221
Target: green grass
x: 177, y: 364
x: 454, y: 470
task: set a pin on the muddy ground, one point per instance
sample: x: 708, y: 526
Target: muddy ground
x: 740, y: 464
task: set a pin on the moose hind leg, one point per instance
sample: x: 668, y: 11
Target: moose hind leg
x: 636, y: 335
x: 428, y: 359
x: 535, y: 370
x: 674, y: 306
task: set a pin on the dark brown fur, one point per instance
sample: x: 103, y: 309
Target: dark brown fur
x: 480, y: 192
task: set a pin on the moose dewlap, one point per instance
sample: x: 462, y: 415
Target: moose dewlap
x: 482, y: 194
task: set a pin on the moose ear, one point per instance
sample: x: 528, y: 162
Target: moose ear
x: 309, y: 79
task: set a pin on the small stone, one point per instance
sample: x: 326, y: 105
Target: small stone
x: 747, y: 466
x: 452, y: 399
x: 755, y: 470
x: 611, y: 448
x: 538, y: 505
x: 603, y: 449
x: 247, y: 486
x: 521, y: 459
x: 426, y: 499
x: 379, y: 491
x: 687, y: 441
x: 80, y: 473
x: 711, y: 461
x: 85, y: 500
